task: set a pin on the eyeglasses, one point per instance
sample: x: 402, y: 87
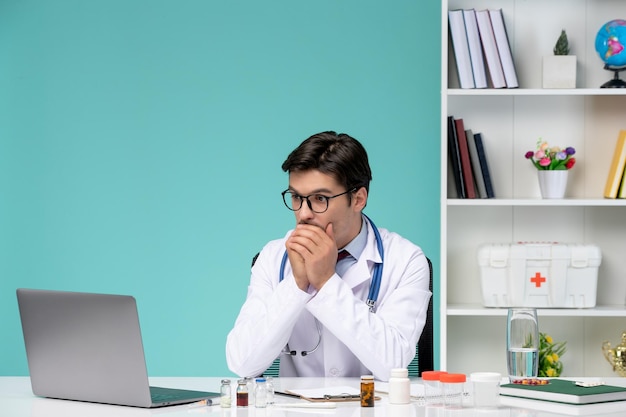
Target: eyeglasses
x: 318, y: 203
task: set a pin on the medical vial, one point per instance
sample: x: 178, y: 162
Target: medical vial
x: 433, y: 394
x: 270, y: 390
x: 367, y: 391
x: 399, y: 386
x: 260, y: 393
x: 453, y: 387
x: 225, y: 393
x: 250, y: 383
x: 242, y: 393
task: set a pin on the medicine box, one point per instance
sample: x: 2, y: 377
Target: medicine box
x: 539, y: 275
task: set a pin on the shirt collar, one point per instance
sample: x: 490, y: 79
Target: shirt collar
x: 357, y: 245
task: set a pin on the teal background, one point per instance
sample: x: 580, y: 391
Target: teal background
x: 141, y: 144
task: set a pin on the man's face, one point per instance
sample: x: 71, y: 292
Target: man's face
x: 345, y: 216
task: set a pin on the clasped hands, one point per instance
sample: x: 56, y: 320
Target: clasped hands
x: 312, y: 253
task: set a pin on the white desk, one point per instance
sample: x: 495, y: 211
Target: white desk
x: 17, y: 400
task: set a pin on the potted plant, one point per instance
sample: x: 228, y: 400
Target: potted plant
x: 559, y: 70
x: 553, y: 164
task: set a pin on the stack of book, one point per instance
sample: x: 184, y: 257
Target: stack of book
x: 481, y: 46
x: 616, y: 180
x: 468, y: 161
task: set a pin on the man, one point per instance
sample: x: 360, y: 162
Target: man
x: 308, y: 307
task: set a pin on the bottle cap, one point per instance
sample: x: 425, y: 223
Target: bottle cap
x: 367, y: 377
x: 486, y: 377
x: 399, y: 373
x: 432, y: 375
x: 452, y: 378
x: 225, y: 381
x: 260, y: 380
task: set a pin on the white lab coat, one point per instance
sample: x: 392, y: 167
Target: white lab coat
x: 354, y: 340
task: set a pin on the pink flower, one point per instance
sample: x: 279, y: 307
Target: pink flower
x: 544, y: 162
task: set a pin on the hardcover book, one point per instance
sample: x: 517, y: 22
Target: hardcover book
x: 616, y: 171
x: 564, y: 391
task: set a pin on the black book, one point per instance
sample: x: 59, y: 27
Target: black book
x: 455, y: 158
x: 484, y: 166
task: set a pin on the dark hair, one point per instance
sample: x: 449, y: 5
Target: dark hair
x: 338, y: 155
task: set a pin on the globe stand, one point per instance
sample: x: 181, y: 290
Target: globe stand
x: 616, y: 82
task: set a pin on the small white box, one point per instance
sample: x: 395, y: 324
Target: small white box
x: 539, y: 275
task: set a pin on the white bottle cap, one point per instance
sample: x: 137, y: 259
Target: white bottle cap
x: 399, y: 373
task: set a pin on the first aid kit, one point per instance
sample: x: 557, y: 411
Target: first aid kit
x: 536, y: 274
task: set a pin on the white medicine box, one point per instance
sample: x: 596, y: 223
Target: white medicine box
x: 549, y: 275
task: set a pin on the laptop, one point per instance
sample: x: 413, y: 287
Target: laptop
x: 88, y: 347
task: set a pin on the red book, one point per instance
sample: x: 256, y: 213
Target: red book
x: 466, y: 164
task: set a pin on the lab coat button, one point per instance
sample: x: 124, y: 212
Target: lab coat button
x: 334, y: 372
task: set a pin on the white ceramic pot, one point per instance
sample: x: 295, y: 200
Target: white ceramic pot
x: 552, y: 183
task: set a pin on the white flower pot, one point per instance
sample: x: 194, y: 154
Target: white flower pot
x: 552, y: 183
x: 559, y: 71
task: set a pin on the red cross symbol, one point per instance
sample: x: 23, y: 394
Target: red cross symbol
x: 538, y: 279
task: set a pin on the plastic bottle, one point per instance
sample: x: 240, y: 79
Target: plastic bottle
x: 399, y: 386
x: 453, y: 389
x: 225, y: 394
x: 260, y: 393
x: 242, y: 393
x: 367, y: 391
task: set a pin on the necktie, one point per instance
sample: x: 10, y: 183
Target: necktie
x: 342, y: 255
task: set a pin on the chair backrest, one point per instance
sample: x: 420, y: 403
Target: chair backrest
x: 424, y: 359
x: 424, y: 351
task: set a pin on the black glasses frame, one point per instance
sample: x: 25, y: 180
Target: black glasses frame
x: 308, y: 202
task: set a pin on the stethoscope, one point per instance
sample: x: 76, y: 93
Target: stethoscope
x: 371, y: 297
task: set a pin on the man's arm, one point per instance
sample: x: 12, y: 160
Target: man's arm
x: 387, y: 338
x: 266, y: 318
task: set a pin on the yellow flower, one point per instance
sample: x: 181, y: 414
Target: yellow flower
x: 555, y: 357
x: 550, y: 359
x: 550, y: 372
x: 549, y: 339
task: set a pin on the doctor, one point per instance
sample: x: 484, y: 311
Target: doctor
x: 308, y: 296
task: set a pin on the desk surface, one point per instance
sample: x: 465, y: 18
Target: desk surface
x: 17, y: 400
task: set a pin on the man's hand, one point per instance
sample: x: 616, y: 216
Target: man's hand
x: 313, y: 254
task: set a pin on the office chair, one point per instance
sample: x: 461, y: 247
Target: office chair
x: 424, y: 351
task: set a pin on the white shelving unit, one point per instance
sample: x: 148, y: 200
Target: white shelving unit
x: 511, y: 120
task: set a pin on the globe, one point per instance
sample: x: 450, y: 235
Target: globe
x: 610, y: 43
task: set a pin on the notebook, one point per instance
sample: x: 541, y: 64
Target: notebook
x: 88, y: 347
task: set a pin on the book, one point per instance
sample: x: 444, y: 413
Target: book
x: 475, y: 49
x: 622, y: 188
x: 455, y: 159
x: 484, y: 165
x: 616, y: 170
x: 461, y: 48
x: 490, y: 49
x: 564, y: 391
x: 476, y: 170
x: 466, y: 165
x: 504, y: 48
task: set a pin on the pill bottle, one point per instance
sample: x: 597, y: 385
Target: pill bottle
x: 433, y: 395
x: 367, y: 391
x: 260, y: 393
x: 486, y: 389
x: 453, y: 388
x: 242, y: 393
x: 399, y: 386
x: 225, y: 393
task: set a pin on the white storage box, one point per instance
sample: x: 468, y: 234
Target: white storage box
x: 539, y: 275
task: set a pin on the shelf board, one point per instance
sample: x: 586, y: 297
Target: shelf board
x: 536, y: 92
x: 582, y: 202
x: 479, y: 310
